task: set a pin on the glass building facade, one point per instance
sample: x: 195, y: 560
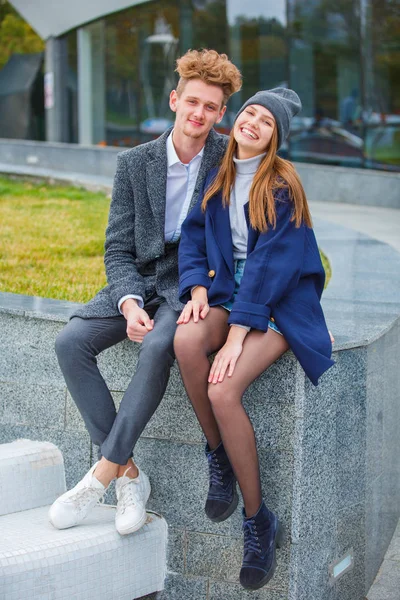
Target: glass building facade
x: 342, y: 58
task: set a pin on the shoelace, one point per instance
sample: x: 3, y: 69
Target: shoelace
x: 128, y: 495
x: 215, y: 471
x: 251, y: 543
x: 86, y: 495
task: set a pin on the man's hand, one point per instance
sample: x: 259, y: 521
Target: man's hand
x: 197, y: 307
x: 138, y: 321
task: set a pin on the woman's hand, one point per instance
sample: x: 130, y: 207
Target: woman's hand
x: 331, y: 336
x: 197, y: 307
x: 226, y: 359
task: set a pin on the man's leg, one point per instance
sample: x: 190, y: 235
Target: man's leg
x: 77, y: 346
x: 146, y: 389
x: 139, y: 402
x: 77, y: 356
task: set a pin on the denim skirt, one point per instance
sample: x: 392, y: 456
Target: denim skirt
x: 239, y: 269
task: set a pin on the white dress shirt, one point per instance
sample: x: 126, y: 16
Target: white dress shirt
x: 181, y: 181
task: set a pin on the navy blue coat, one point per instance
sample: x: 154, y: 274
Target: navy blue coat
x: 283, y: 276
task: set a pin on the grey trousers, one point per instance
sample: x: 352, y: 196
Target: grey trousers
x: 77, y: 346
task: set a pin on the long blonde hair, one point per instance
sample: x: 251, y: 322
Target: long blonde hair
x: 273, y: 173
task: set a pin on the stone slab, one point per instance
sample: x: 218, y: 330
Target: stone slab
x: 29, y: 404
x: 27, y: 351
x: 229, y: 591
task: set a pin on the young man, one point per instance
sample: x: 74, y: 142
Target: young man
x: 155, y: 186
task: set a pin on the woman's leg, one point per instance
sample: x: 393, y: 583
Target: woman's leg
x: 193, y: 343
x: 260, y: 350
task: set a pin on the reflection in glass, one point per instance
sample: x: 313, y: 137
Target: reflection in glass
x: 342, y: 59
x: 382, y: 84
x: 325, y: 70
x: 141, y: 49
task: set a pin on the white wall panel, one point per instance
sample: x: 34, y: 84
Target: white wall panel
x: 52, y: 17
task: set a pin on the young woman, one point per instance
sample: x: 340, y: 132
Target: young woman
x: 252, y: 278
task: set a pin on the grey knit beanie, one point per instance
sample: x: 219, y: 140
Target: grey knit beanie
x: 283, y: 103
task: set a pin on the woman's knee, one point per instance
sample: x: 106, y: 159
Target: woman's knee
x: 223, y: 398
x: 188, y: 341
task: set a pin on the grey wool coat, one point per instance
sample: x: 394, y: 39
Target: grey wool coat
x: 136, y: 258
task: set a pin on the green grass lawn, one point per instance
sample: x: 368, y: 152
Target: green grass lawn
x: 52, y: 240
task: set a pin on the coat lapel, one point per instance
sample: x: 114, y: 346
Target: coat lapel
x: 213, y: 151
x: 156, y: 181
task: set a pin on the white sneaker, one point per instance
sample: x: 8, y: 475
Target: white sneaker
x: 132, y: 495
x: 73, y: 506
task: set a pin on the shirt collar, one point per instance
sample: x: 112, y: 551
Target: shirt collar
x: 172, y: 156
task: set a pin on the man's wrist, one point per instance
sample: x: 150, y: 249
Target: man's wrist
x: 128, y: 305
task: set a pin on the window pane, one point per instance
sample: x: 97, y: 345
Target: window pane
x: 382, y: 59
x: 254, y: 37
x: 141, y: 49
x: 325, y: 69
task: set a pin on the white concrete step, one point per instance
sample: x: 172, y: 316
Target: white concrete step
x: 31, y: 475
x: 88, y: 562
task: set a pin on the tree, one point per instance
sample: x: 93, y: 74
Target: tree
x: 16, y: 35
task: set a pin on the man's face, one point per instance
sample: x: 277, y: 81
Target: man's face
x: 197, y: 108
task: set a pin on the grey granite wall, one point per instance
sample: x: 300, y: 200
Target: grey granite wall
x: 328, y: 455
x: 95, y: 166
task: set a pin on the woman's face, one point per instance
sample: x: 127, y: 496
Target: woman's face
x: 253, y: 131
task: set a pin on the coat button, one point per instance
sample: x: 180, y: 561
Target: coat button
x: 211, y: 273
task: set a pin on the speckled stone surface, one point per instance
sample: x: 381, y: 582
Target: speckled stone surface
x: 220, y: 558
x: 229, y: 591
x: 29, y: 404
x: 175, y: 420
x: 176, y: 550
x: 179, y: 478
x: 310, y: 559
x: 352, y: 531
x: 27, y: 350
x: 179, y: 587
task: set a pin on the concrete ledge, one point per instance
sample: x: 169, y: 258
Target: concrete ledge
x: 68, y: 158
x: 328, y: 455
x: 95, y: 166
x: 350, y: 186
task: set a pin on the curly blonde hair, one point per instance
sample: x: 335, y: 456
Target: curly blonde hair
x: 212, y: 68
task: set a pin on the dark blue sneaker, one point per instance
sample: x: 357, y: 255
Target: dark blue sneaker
x: 222, y: 498
x: 262, y: 534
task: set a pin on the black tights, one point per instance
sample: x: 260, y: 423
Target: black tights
x: 219, y: 406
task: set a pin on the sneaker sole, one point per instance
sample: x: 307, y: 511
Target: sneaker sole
x: 134, y: 527
x: 65, y: 526
x: 229, y: 511
x: 139, y: 524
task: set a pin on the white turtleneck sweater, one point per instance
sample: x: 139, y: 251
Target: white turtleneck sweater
x: 245, y: 171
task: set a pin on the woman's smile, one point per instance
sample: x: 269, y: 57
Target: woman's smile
x: 246, y: 131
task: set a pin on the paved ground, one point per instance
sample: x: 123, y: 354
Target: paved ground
x: 387, y: 582
x: 380, y: 223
